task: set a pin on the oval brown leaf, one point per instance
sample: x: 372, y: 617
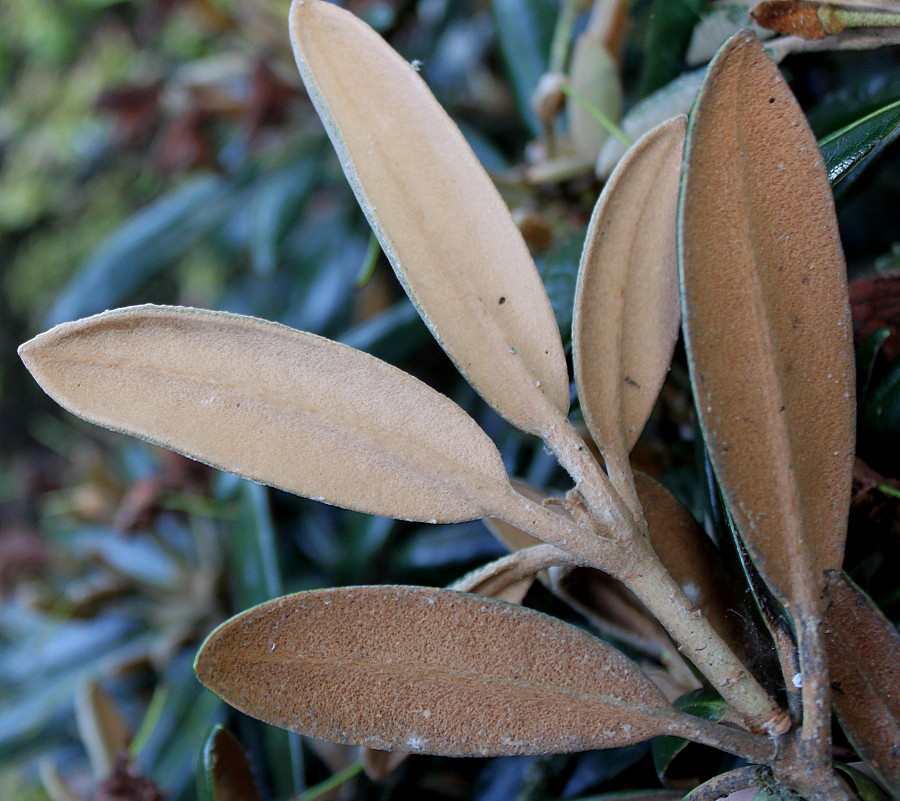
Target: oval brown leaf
x: 864, y: 659
x: 276, y: 405
x: 438, y: 216
x: 767, y: 321
x: 627, y: 310
x: 426, y: 670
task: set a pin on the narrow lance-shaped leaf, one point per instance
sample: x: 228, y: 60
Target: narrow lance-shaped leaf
x: 850, y: 150
x: 426, y: 670
x: 864, y: 657
x: 438, y: 216
x: 767, y: 322
x: 277, y: 405
x: 626, y: 303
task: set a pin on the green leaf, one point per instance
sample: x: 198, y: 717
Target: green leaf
x: 256, y: 578
x: 148, y: 242
x: 525, y: 31
x: 866, y: 354
x: 868, y: 790
x: 559, y: 269
x: 703, y: 703
x: 275, y: 206
x: 671, y: 25
x: 879, y: 414
x: 849, y: 151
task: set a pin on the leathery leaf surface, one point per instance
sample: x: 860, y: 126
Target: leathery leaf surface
x: 438, y: 216
x: 426, y: 670
x: 767, y: 320
x: 274, y: 404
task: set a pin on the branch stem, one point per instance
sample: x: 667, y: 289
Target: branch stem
x: 633, y: 561
x: 753, y: 748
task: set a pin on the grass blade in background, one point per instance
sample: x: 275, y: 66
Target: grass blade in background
x: 671, y: 25
x: 256, y: 578
x: 147, y: 243
x: 525, y: 33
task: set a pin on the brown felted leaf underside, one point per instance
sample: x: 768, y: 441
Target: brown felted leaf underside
x: 864, y: 659
x: 766, y: 318
x: 435, y: 671
x: 277, y: 405
x: 438, y: 216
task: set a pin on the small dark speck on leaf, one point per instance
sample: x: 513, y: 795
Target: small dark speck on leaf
x: 501, y: 301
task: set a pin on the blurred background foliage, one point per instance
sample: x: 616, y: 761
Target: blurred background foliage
x: 165, y: 151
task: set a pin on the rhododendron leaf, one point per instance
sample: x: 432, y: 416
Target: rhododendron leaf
x: 438, y: 216
x: 767, y: 321
x: 626, y: 305
x: 274, y: 404
x: 428, y: 670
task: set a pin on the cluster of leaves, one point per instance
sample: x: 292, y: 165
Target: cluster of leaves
x: 296, y: 258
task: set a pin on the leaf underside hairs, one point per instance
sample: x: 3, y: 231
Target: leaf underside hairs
x: 727, y: 221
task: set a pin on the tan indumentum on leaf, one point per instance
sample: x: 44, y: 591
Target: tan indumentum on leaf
x: 438, y: 216
x: 277, y: 405
x: 766, y: 319
x: 864, y: 660
x: 626, y: 303
x: 426, y: 670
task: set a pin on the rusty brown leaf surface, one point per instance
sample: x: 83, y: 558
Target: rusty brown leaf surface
x: 766, y: 319
x: 276, y: 405
x: 438, y: 216
x: 228, y: 770
x: 864, y: 658
x: 426, y: 670
x: 627, y: 310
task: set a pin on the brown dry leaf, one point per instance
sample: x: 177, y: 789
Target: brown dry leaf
x: 426, y: 670
x: 766, y: 320
x: 510, y: 577
x: 626, y: 304
x: 438, y: 216
x: 864, y: 659
x: 227, y: 768
x: 102, y: 728
x: 276, y: 405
